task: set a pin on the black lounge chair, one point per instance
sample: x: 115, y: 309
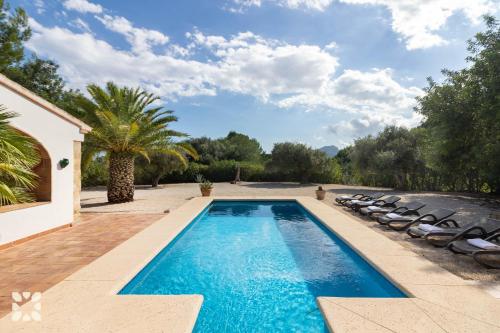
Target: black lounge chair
x: 368, y: 198
x: 442, y: 233
x: 489, y: 257
x: 398, y: 222
x: 390, y: 201
x: 343, y: 198
x: 410, y: 208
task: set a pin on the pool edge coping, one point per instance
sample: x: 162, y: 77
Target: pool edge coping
x: 424, y: 281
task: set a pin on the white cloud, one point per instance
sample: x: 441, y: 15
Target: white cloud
x: 372, y: 100
x: 85, y: 59
x: 331, y: 46
x: 250, y: 64
x: 248, y: 3
x: 363, y: 125
x: 239, y: 6
x: 40, y: 6
x: 245, y: 63
x: 418, y: 21
x: 359, y: 92
x: 140, y: 39
x: 83, y: 6
x: 80, y: 24
x: 309, y: 4
x: 360, y: 127
x: 177, y: 50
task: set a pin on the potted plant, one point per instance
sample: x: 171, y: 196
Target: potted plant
x: 320, y: 193
x: 205, y: 186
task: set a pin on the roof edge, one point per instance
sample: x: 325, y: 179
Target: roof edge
x: 34, y: 98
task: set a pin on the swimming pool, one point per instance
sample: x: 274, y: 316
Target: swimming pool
x: 260, y: 266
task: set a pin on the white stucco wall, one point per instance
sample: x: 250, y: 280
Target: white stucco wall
x: 56, y: 135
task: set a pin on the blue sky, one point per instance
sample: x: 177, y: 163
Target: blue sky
x: 319, y: 72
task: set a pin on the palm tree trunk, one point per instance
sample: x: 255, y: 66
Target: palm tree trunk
x: 121, y: 178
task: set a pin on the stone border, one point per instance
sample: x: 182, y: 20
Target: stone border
x: 439, y: 301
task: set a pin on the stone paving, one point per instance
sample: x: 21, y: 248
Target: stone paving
x: 38, y: 264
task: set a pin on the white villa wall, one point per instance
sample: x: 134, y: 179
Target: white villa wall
x: 56, y: 135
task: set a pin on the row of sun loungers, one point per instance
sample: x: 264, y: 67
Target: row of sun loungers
x: 479, y: 239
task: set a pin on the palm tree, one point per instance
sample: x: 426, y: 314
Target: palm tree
x: 18, y: 155
x: 125, y: 125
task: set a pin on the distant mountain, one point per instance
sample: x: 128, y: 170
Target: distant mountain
x: 330, y: 150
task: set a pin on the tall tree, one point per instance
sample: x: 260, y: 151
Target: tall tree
x: 296, y: 161
x: 14, y: 31
x: 209, y: 150
x: 40, y: 76
x: 235, y: 146
x: 126, y: 124
x: 462, y: 117
x: 391, y: 158
x: 485, y: 77
x: 242, y: 148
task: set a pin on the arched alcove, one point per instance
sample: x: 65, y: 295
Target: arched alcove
x: 43, y: 191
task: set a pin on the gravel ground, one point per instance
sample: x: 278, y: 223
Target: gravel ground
x: 468, y: 207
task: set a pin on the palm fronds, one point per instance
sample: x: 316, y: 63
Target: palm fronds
x: 125, y: 121
x: 18, y: 155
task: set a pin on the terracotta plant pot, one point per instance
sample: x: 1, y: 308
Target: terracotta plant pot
x: 206, y: 192
x: 320, y: 194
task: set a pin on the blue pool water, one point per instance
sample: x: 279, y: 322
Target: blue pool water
x: 260, y: 267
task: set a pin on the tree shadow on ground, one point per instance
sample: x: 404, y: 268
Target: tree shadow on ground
x: 137, y: 187
x: 97, y: 204
x: 350, y: 190
x: 271, y: 185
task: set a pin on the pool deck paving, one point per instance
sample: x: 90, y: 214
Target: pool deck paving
x: 87, y: 300
x: 41, y: 263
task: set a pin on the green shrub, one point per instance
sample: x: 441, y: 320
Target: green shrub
x: 95, y: 173
x: 329, y: 174
x: 252, y: 172
x: 150, y: 172
x: 298, y: 162
x: 219, y: 171
x: 186, y: 176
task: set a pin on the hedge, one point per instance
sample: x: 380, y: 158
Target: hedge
x: 218, y: 171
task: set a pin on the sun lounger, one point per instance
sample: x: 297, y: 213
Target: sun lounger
x: 485, y: 251
x: 400, y: 222
x: 390, y: 201
x: 410, y: 208
x: 368, y: 199
x: 445, y: 231
x: 343, y: 198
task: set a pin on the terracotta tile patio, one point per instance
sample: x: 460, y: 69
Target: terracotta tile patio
x: 40, y: 263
